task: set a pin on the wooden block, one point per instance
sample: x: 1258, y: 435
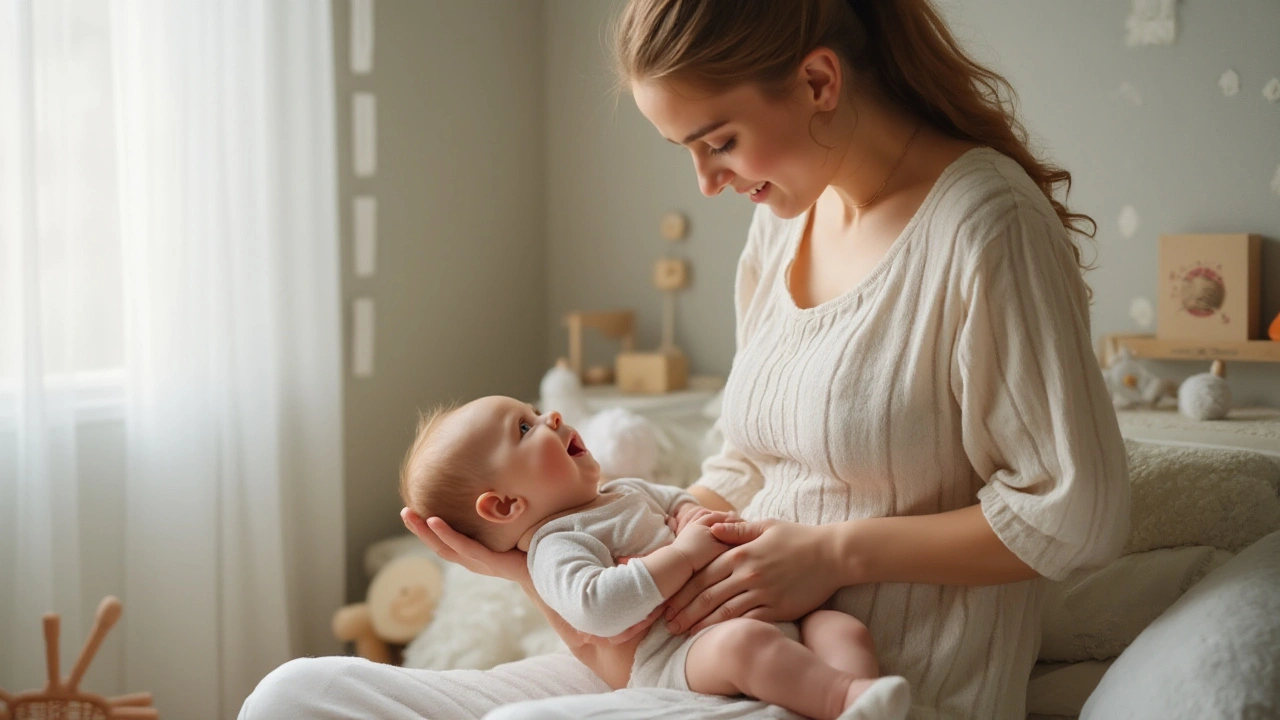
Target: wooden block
x: 652, y: 372
x: 671, y: 274
x: 1210, y: 287
x: 616, y: 325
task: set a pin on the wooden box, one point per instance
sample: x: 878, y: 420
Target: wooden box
x: 1209, y: 287
x: 651, y: 372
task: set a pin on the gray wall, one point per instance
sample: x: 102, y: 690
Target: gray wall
x: 460, y: 280
x: 610, y: 179
x: 1188, y: 159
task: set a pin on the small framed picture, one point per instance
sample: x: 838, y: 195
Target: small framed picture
x: 1209, y: 287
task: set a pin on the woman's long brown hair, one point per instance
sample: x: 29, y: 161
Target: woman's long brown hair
x: 903, y: 44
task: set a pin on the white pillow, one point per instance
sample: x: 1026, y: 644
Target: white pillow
x: 1214, y: 654
x: 1095, y: 614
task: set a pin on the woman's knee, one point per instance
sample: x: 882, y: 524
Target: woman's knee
x: 533, y: 710
x: 297, y: 684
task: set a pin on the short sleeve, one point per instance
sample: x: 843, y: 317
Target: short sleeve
x: 1038, y: 425
x: 729, y: 473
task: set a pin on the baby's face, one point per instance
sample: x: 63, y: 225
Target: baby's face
x: 532, y: 455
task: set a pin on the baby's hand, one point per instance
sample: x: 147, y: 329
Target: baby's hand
x: 689, y: 512
x: 696, y: 541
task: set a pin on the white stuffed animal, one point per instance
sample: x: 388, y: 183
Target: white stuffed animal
x: 624, y: 443
x: 1206, y: 396
x: 481, y: 622
x: 1132, y: 384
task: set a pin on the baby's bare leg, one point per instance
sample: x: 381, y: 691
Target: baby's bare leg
x: 841, y: 641
x: 755, y: 658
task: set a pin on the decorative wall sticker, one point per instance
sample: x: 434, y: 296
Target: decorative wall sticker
x: 364, y: 131
x: 362, y: 337
x: 1129, y: 221
x: 1229, y: 83
x: 365, y: 231
x: 1152, y: 22
x: 1130, y: 94
x: 1271, y: 91
x: 361, y: 36
x: 1142, y: 312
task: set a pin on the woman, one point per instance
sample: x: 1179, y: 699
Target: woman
x: 915, y: 425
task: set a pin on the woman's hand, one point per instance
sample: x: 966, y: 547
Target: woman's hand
x: 778, y: 571
x: 455, y: 547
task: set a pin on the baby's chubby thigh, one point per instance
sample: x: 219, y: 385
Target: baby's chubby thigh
x: 719, y: 658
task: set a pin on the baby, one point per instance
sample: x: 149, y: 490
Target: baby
x: 508, y: 476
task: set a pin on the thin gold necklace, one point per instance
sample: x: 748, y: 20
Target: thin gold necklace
x: 896, y: 165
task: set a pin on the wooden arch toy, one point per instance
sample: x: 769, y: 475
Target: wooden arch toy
x: 62, y: 699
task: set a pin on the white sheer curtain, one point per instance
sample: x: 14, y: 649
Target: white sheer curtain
x: 170, y: 368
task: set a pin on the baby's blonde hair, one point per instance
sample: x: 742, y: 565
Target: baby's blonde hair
x: 443, y: 482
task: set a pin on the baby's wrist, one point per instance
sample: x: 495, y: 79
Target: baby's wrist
x: 685, y: 508
x: 686, y: 557
x: 697, y: 554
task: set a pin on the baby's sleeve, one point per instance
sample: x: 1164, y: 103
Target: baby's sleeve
x: 575, y: 575
x: 1038, y: 425
x: 668, y: 497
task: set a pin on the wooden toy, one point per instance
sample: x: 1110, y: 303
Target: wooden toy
x: 652, y: 372
x: 666, y: 369
x: 615, y: 325
x: 62, y: 699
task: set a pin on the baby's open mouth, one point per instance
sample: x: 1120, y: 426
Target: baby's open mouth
x: 576, y: 447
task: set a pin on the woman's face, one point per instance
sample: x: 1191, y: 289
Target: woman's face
x: 743, y: 140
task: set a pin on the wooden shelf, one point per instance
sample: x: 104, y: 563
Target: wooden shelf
x: 1147, y: 346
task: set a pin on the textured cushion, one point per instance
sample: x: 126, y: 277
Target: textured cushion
x: 1214, y: 654
x: 1200, y: 496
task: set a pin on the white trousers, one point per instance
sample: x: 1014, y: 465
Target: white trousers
x: 547, y: 687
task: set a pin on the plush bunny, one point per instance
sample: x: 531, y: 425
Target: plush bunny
x: 1206, y: 396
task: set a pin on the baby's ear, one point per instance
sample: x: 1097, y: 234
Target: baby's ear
x: 500, y: 508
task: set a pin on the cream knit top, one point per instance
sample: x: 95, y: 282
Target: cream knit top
x: 959, y: 371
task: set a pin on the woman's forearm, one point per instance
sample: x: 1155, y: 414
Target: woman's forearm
x: 571, y: 636
x: 710, y: 500
x: 951, y: 548
x: 611, y: 662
